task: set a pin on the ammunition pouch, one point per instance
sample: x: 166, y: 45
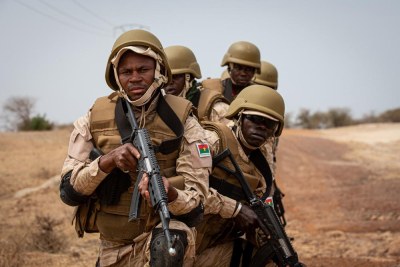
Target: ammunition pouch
x: 85, y: 217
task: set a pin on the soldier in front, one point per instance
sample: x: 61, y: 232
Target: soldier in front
x: 136, y: 71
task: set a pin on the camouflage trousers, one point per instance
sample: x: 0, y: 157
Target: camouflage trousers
x: 216, y: 256
x: 138, y: 254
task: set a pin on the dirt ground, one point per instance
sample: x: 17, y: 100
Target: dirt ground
x: 341, y: 198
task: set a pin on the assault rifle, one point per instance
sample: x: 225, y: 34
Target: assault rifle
x: 278, y: 247
x: 147, y: 163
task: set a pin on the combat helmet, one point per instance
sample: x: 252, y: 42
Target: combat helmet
x: 262, y: 99
x: 136, y: 37
x: 182, y: 60
x: 268, y: 75
x: 243, y: 53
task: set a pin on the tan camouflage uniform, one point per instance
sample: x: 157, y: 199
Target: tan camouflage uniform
x: 87, y: 175
x: 220, y: 255
x: 218, y: 112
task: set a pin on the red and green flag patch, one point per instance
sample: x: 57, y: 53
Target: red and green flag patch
x: 269, y: 201
x: 203, y: 149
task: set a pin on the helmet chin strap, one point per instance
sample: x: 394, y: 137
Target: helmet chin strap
x: 159, y: 79
x: 187, y: 86
x: 239, y: 134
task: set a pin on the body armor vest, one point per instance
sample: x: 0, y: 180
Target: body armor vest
x: 112, y: 220
x: 213, y: 84
x: 224, y: 87
x: 214, y: 229
x: 207, y: 100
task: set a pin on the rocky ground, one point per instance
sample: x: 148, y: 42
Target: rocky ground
x: 341, y: 197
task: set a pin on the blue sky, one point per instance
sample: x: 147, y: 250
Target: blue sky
x: 329, y: 54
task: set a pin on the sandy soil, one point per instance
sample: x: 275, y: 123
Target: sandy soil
x: 341, y: 198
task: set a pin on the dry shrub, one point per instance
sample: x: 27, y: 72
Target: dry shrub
x: 11, y: 251
x: 45, y: 237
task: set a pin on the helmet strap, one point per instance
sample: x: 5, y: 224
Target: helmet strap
x: 159, y: 79
x: 239, y: 134
x: 187, y: 86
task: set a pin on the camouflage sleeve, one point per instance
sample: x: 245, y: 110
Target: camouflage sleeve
x: 194, y: 164
x: 219, y: 204
x: 218, y: 112
x: 86, y: 174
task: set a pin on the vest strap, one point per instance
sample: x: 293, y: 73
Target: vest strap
x: 165, y: 112
x: 170, y: 118
x: 226, y: 189
x: 262, y: 165
x: 227, y: 84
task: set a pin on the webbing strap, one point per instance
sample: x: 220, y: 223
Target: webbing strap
x: 262, y: 165
x: 166, y: 114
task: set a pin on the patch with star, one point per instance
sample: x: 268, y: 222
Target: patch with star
x: 204, y: 150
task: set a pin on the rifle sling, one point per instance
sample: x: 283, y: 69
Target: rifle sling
x: 262, y: 165
x: 166, y: 114
x: 226, y: 189
x: 230, y: 190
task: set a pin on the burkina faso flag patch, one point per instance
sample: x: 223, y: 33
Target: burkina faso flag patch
x: 203, y: 149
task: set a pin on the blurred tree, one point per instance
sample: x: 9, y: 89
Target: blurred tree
x: 40, y: 123
x: 392, y: 115
x: 338, y: 117
x: 17, y: 115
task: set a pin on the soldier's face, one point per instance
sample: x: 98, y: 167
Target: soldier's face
x: 136, y: 74
x: 257, y: 129
x: 177, y: 84
x: 242, y: 75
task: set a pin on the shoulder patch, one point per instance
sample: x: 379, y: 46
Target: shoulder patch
x: 203, y: 149
x: 269, y: 201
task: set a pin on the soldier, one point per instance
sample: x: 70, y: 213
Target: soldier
x: 258, y: 115
x: 210, y: 104
x: 268, y: 75
x: 136, y: 70
x: 243, y: 61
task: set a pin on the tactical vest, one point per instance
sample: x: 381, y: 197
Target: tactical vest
x: 224, y: 87
x: 213, y: 84
x: 112, y: 220
x: 207, y: 100
x: 215, y: 229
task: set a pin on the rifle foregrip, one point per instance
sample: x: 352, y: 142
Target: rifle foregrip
x: 278, y: 235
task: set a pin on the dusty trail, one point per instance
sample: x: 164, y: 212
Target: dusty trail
x: 341, y: 206
x: 341, y: 187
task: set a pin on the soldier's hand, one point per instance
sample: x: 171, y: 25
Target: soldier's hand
x: 124, y: 157
x: 143, y: 188
x: 246, y: 219
x: 247, y: 222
